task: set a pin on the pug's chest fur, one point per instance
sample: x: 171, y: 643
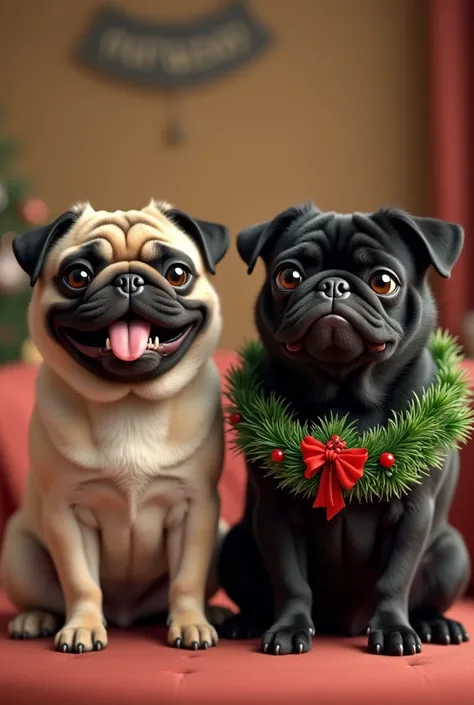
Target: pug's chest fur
x: 131, y: 439
x: 135, y: 462
x: 137, y: 487
x: 127, y: 464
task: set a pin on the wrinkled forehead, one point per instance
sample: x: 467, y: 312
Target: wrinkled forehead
x: 124, y: 236
x: 351, y: 235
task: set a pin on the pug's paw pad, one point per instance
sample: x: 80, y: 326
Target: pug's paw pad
x: 191, y: 630
x: 397, y: 640
x: 291, y: 635
x: 77, y: 639
x: 32, y: 625
x: 440, y: 630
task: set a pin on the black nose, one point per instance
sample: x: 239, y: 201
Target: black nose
x: 129, y: 284
x: 334, y: 288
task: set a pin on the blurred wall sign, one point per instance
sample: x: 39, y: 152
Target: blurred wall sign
x: 173, y: 55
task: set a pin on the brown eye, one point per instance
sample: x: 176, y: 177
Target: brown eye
x: 288, y: 279
x: 384, y: 284
x: 177, y: 275
x: 77, y: 278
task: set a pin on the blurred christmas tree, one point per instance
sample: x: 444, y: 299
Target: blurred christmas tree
x: 18, y: 213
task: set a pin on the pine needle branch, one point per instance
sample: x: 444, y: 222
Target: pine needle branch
x: 419, y: 437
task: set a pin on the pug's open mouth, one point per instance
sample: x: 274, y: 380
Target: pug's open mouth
x: 128, y: 339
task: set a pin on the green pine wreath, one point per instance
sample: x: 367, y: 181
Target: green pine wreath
x: 418, y: 438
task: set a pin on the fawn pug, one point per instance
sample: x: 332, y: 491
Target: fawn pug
x: 120, y: 514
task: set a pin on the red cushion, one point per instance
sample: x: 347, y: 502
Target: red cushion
x: 17, y: 398
x: 138, y: 668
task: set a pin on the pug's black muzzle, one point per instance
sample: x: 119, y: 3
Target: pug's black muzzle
x: 337, y: 320
x: 137, y: 299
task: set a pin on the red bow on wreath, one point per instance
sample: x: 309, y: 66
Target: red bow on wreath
x: 341, y: 468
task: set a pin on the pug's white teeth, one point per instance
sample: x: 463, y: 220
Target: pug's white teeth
x: 153, y: 344
x: 107, y: 344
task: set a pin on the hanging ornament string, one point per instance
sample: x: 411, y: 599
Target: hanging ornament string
x: 330, y: 461
x: 176, y: 132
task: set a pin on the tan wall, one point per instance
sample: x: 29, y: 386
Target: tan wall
x: 336, y: 113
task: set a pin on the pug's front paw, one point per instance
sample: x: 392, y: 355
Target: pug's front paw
x: 32, y: 625
x: 81, y: 635
x: 395, y: 640
x: 289, y: 635
x: 438, y: 629
x: 191, y: 630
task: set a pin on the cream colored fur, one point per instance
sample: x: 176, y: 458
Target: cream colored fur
x: 120, y: 513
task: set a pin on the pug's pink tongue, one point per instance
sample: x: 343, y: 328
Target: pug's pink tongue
x: 128, y: 339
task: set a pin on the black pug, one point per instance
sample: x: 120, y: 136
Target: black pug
x: 344, y: 315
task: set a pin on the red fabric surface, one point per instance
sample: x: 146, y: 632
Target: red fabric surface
x: 137, y: 667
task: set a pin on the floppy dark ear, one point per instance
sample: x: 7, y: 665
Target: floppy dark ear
x: 438, y: 241
x: 31, y: 248
x: 211, y: 238
x: 252, y: 241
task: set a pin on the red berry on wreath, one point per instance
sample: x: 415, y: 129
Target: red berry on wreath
x: 277, y: 455
x: 386, y: 460
x: 235, y: 418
